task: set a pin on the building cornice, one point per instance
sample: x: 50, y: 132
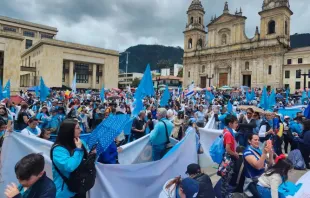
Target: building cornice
x: 70, y: 45
x: 22, y: 22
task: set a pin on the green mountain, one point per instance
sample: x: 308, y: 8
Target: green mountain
x: 300, y: 40
x: 159, y: 56
x: 155, y: 55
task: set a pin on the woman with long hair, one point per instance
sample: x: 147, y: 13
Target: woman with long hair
x: 67, y: 155
x: 268, y: 184
x: 23, y: 117
x: 178, y: 132
x: 246, y: 127
x: 255, y: 162
x: 43, y: 117
x: 304, y: 142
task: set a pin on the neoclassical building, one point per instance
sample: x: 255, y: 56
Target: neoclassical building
x: 29, y: 51
x: 224, y: 52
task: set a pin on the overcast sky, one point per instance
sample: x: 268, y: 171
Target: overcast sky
x: 119, y: 24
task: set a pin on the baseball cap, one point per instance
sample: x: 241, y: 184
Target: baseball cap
x: 192, y: 169
x: 190, y: 187
x: 286, y: 117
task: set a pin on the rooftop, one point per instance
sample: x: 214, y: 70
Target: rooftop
x: 301, y: 49
x: 169, y: 78
x: 22, y: 22
x: 70, y: 45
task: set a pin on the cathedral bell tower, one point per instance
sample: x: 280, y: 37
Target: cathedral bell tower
x: 195, y: 34
x: 276, y: 20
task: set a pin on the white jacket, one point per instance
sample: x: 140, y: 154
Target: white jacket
x: 168, y: 193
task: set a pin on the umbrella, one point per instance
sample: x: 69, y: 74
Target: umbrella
x: 225, y: 88
x: 197, y: 89
x: 256, y: 109
x: 16, y: 99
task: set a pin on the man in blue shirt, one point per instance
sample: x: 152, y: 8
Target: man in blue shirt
x: 158, y: 135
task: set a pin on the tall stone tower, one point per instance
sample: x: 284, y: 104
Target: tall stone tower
x: 276, y: 20
x: 195, y: 34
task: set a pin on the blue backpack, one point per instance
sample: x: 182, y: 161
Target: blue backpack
x: 217, y: 149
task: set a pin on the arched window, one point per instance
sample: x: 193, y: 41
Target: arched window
x: 224, y: 39
x: 199, y: 20
x: 286, y: 28
x: 199, y: 43
x: 190, y: 43
x: 272, y: 27
x: 203, y: 69
x: 192, y: 19
x: 247, y: 66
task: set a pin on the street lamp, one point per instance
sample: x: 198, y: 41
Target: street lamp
x: 126, y: 64
x: 304, y: 75
x: 210, y: 78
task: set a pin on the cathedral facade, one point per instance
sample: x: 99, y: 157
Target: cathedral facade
x: 222, y: 54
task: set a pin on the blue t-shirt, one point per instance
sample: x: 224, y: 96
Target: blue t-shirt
x: 250, y: 171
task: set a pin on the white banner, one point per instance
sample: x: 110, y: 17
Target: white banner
x: 115, y: 181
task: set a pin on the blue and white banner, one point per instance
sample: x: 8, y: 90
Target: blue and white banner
x: 117, y: 181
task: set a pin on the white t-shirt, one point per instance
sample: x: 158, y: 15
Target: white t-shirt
x: 26, y: 131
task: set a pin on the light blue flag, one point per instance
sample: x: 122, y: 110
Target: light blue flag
x: 264, y: 100
x: 105, y: 133
x: 287, y: 95
x: 102, y: 94
x: 7, y: 90
x: 272, y: 99
x: 229, y: 107
x: 252, y: 94
x: 44, y: 90
x: 248, y: 97
x: 1, y: 94
x: 137, y: 104
x: 165, y: 97
x: 209, y: 96
x: 146, y: 86
x: 303, y: 96
x: 73, y: 85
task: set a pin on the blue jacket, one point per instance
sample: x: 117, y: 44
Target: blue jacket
x: 43, y: 188
x: 158, y: 134
x: 109, y: 155
x: 66, y: 164
x: 305, y: 140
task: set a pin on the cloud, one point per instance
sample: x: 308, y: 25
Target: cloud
x: 119, y: 24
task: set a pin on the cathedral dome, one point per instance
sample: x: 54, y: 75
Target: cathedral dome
x: 271, y: 4
x: 196, y: 5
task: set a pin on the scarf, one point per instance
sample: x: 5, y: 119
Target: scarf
x: 257, y: 150
x: 34, y: 131
x: 231, y: 131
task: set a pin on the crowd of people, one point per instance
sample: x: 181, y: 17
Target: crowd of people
x: 255, y: 142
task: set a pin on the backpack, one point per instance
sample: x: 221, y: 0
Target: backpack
x: 83, y: 178
x: 217, y: 149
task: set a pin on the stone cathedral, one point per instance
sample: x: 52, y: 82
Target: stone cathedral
x: 222, y: 50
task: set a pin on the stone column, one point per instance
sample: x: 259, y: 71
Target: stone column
x: 102, y: 77
x: 71, y: 66
x: 93, y: 86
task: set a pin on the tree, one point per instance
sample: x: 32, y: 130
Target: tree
x: 180, y: 73
x: 135, y: 83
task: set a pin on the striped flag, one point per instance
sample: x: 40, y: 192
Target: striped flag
x: 73, y: 86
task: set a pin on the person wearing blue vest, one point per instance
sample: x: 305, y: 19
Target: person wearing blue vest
x: 32, y: 128
x: 67, y: 155
x: 158, y: 135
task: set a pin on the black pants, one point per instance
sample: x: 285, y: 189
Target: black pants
x: 305, y: 152
x: 252, y: 188
x: 287, y: 141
